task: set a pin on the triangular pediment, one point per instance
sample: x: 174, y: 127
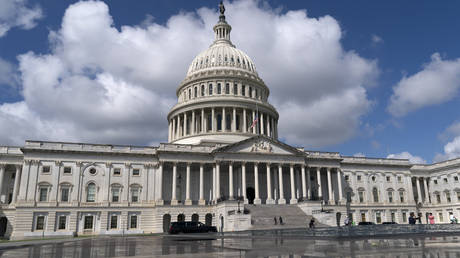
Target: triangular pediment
x: 260, y: 145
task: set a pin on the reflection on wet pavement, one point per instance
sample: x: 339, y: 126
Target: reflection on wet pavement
x: 243, y: 246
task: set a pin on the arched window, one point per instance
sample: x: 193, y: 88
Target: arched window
x: 243, y: 90
x: 195, y: 217
x: 196, y: 92
x: 401, y: 196
x: 202, y: 90
x: 235, y: 89
x: 219, y: 89
x: 375, y: 194
x: 390, y: 196
x: 227, y: 88
x: 180, y: 218
x: 208, y: 219
x: 210, y: 89
x: 189, y: 93
x: 250, y: 92
x: 91, y: 192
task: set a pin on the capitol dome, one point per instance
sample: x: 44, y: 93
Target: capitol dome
x: 222, y: 98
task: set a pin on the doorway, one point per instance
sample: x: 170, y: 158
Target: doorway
x: 250, y: 194
x: 3, y: 224
x: 166, y: 222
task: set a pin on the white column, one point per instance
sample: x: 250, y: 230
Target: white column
x: 230, y: 181
x: 308, y: 183
x: 253, y: 117
x: 203, y: 128
x: 193, y: 129
x: 159, y: 201
x: 339, y: 183
x: 201, y: 201
x: 214, y: 197
x: 269, y: 186
x: 269, y: 132
x: 179, y: 133
x: 173, y: 129
x: 304, y: 186
x: 223, y: 123
x: 169, y: 130
x: 262, y: 131
x: 329, y: 185
x: 425, y: 186
x: 188, y: 201
x: 217, y: 180
x: 318, y: 179
x: 419, y: 192
x: 2, y: 174
x: 256, y: 184
x: 281, y: 200
x: 243, y: 181
x: 234, y: 120
x: 245, y: 125
x: 16, y: 182
x: 213, y: 118
x: 185, y: 124
x: 293, y: 199
x: 174, y: 185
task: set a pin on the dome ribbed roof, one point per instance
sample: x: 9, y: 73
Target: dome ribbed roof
x: 222, y: 55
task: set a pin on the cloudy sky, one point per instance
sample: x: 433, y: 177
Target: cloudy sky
x: 364, y: 78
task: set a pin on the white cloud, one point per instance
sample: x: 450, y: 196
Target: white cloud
x: 101, y: 84
x: 452, y: 147
x: 376, y: 39
x: 8, y: 74
x: 406, y: 155
x: 18, y: 13
x: 438, y: 82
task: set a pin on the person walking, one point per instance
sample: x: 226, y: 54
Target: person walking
x: 281, y: 220
x: 276, y: 222
x: 431, y: 218
x: 347, y: 221
x: 412, y: 219
x: 311, y: 225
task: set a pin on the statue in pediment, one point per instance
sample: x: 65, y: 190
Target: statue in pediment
x: 261, y: 147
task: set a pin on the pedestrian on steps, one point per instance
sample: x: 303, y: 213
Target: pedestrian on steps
x: 281, y: 220
x: 275, y: 220
x: 312, y: 223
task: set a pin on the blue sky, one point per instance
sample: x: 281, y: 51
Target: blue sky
x: 406, y: 50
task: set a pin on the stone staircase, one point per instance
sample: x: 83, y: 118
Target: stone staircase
x: 262, y: 216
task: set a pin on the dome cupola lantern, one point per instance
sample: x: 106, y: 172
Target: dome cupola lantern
x: 222, y: 99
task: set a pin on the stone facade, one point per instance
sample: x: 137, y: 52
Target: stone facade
x: 222, y: 149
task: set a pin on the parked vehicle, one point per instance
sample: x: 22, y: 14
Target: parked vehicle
x: 190, y: 227
x: 389, y: 222
x: 365, y: 223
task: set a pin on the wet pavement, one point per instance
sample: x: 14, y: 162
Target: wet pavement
x: 244, y: 245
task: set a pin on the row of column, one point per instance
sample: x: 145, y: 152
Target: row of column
x: 305, y: 176
x: 16, y: 180
x: 266, y: 124
x: 425, y: 188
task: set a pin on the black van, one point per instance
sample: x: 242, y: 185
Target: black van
x: 190, y: 227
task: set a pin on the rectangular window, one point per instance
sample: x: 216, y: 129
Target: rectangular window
x: 219, y: 88
x: 115, y: 195
x: 40, y: 225
x: 133, y: 221
x: 456, y: 178
x: 196, y: 92
x: 445, y: 180
x: 399, y: 179
x: 136, y: 172
x: 62, y: 222
x: 435, y: 182
x: 243, y: 90
x: 65, y: 194
x: 458, y: 196
x: 441, y: 219
x: 448, y: 197
x: 388, y: 179
x: 227, y: 88
x: 361, y: 196
x: 438, y: 198
x: 67, y: 170
x: 135, y: 195
x: 43, y: 194
x: 189, y: 93
x: 46, y: 169
x: 235, y: 89
x: 210, y: 89
x: 202, y: 90
x: 378, y: 217
x: 401, y: 196
x: 390, y: 197
x: 404, y: 217
x: 347, y: 177
x: 88, y: 222
x: 117, y: 171
x: 250, y: 92
x: 358, y: 178
x: 113, y: 222
x: 363, y: 217
x: 393, y: 217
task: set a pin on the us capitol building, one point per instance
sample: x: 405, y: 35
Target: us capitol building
x: 223, y: 157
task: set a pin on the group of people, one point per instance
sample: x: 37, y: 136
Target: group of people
x: 280, y: 221
x: 413, y: 220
